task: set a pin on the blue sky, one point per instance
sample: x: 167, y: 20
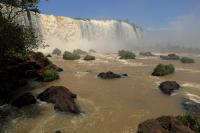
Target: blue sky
x: 146, y: 13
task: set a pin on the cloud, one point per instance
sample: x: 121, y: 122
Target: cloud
x: 184, y: 31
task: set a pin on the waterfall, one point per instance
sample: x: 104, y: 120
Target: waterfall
x: 68, y: 33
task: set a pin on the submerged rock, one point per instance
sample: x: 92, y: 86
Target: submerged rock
x: 169, y: 87
x: 62, y: 97
x: 58, y: 131
x: 191, y: 106
x: 24, y: 100
x: 165, y: 124
x: 108, y: 75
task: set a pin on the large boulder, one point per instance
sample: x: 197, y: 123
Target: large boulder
x: 169, y: 87
x: 24, y: 100
x: 165, y: 124
x: 108, y: 75
x: 62, y: 97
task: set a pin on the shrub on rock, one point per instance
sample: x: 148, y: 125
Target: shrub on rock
x: 49, y: 75
x: 79, y: 52
x: 89, y: 57
x: 71, y: 56
x: 162, y: 70
x: 146, y: 54
x: 126, y: 54
x: 170, y: 57
x: 39, y: 58
x: 187, y: 60
x: 57, y: 52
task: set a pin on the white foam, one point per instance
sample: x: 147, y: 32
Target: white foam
x: 129, y: 63
x: 192, y: 85
x: 193, y: 97
x: 80, y: 74
x: 188, y: 70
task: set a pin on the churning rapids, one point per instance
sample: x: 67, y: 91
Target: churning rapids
x: 110, y: 106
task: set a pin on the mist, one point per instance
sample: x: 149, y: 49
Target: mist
x: 182, y: 31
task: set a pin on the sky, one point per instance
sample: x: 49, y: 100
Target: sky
x: 158, y: 18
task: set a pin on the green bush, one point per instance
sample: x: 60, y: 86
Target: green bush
x: 50, y: 75
x: 192, y: 121
x: 162, y: 70
x: 79, y: 52
x: 71, y: 56
x: 170, y: 57
x: 187, y: 60
x: 57, y: 52
x: 126, y: 54
x: 39, y: 58
x: 146, y: 54
x: 89, y: 57
x: 16, y: 40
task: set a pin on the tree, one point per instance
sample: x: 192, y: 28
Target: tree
x: 16, y: 40
x: 13, y: 8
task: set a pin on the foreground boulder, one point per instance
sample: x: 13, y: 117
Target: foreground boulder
x: 169, y: 87
x: 63, y: 99
x: 24, y: 100
x: 110, y: 75
x: 191, y: 106
x: 166, y: 124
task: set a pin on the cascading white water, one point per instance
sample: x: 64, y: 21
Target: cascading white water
x: 67, y: 33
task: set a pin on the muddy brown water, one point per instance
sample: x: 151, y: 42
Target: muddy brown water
x: 111, y: 106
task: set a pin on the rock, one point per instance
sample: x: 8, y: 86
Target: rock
x: 191, y: 107
x: 61, y: 97
x: 58, y: 131
x: 54, y: 67
x: 162, y: 70
x: 169, y: 87
x: 146, y: 54
x: 164, y: 124
x: 24, y: 100
x: 125, y: 75
x: 108, y: 75
x: 48, y: 55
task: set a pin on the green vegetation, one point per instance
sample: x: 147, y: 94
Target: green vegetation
x: 39, y: 58
x: 162, y: 70
x: 16, y: 40
x: 192, y: 121
x: 146, y: 54
x: 49, y: 75
x: 126, y: 54
x: 71, y: 56
x: 187, y: 60
x: 170, y: 57
x: 79, y: 52
x: 57, y: 52
x: 89, y: 57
